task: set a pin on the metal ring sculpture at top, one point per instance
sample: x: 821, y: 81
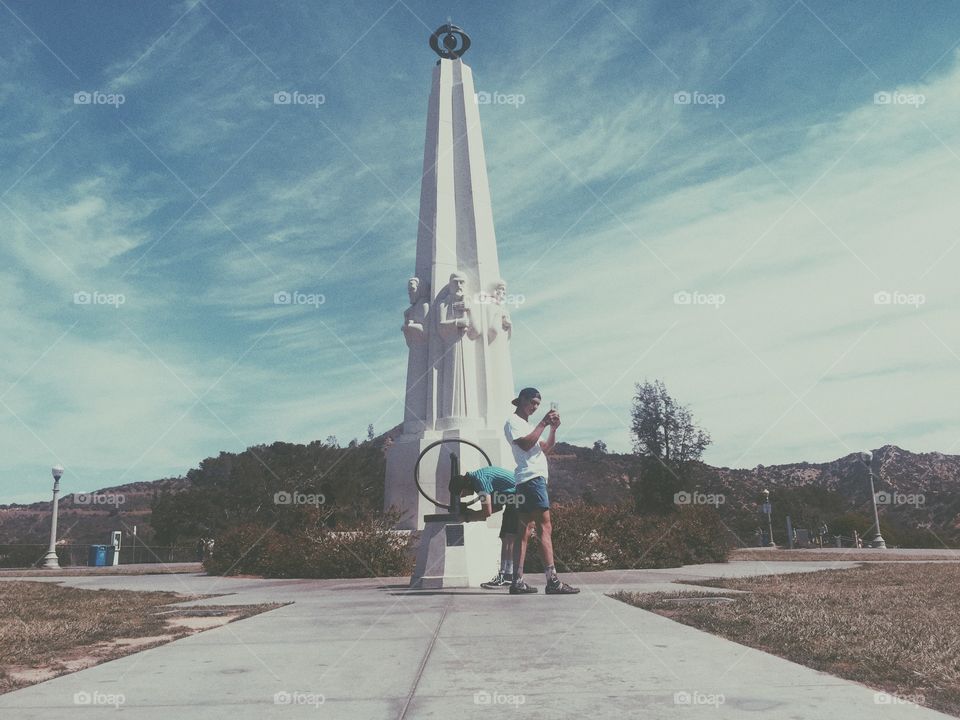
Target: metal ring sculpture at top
x: 450, y: 49
x: 416, y: 468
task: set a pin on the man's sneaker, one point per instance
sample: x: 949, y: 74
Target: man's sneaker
x: 499, y: 581
x: 521, y: 588
x: 555, y: 587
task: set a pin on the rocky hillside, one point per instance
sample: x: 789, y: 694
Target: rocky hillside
x: 922, y: 490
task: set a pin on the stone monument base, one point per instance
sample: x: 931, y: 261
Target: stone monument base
x: 454, y: 553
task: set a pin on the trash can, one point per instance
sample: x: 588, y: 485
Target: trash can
x: 98, y: 555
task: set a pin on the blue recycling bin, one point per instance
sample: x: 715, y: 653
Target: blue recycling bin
x: 98, y: 555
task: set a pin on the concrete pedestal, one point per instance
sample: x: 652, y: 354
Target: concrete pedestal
x: 456, y: 554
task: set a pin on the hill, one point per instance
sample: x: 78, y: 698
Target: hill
x: 921, y: 505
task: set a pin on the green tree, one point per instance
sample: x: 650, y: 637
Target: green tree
x: 666, y: 440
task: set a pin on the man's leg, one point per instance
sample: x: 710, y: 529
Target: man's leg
x: 506, y: 553
x: 504, y: 576
x: 519, y: 587
x: 520, y: 545
x: 545, y: 530
x: 545, y: 533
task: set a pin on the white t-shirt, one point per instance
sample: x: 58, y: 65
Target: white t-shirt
x: 530, y: 463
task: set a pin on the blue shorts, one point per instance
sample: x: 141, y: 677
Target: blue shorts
x: 532, y: 496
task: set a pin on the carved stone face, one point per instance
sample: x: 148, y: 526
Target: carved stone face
x: 413, y: 289
x: 500, y: 291
x: 458, y: 285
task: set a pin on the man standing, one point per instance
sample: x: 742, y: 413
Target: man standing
x: 497, y: 489
x: 529, y: 452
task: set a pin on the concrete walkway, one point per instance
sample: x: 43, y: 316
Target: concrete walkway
x: 371, y: 649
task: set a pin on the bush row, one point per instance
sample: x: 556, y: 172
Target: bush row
x: 585, y: 537
x: 598, y: 537
x: 370, y: 550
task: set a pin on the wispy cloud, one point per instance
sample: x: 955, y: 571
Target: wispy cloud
x: 797, y: 200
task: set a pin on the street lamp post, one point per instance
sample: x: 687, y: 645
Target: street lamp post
x: 768, y: 511
x: 50, y: 560
x: 877, y: 541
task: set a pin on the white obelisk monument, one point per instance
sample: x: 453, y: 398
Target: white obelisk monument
x: 457, y: 327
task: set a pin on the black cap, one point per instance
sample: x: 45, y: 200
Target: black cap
x: 526, y: 394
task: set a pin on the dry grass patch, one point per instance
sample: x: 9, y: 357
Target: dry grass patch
x: 843, y: 554
x: 891, y: 626
x: 48, y: 629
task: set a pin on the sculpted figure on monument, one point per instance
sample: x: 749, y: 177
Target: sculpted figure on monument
x: 456, y: 368
x: 498, y: 320
x: 415, y: 316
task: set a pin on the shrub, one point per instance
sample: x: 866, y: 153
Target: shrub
x: 590, y: 537
x: 371, y: 549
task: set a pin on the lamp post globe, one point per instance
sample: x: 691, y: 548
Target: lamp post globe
x: 50, y: 560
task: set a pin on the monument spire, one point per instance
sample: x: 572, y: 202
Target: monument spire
x: 457, y: 326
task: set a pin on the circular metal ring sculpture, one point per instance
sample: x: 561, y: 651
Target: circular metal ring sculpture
x: 416, y: 468
x: 455, y: 41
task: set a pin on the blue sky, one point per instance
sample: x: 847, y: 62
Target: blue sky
x: 779, y: 201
